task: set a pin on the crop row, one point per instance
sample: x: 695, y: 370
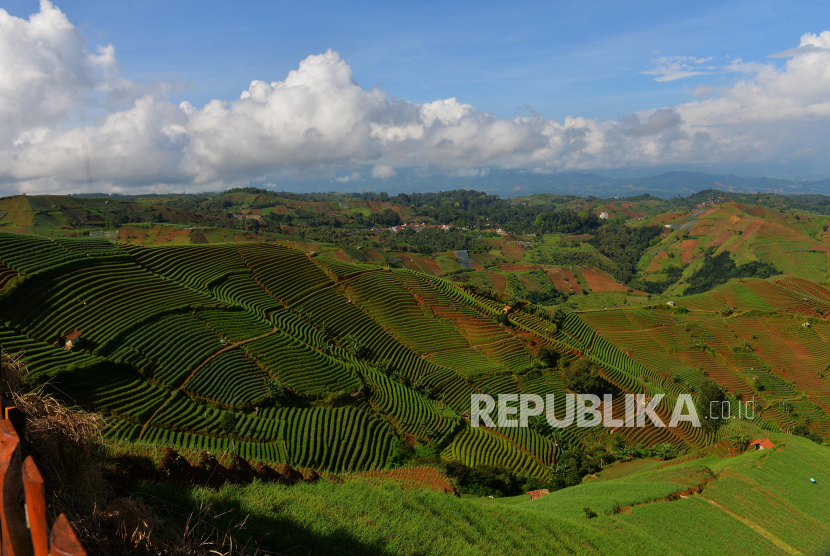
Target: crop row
x: 30, y: 253
x: 336, y: 439
x: 241, y: 290
x: 168, y: 348
x: 40, y: 356
x: 512, y: 353
x: 89, y: 247
x: 526, y: 438
x: 341, y: 270
x: 7, y: 274
x: 298, y: 325
x: 447, y: 302
x: 468, y: 363
x: 412, y: 413
x: 234, y: 325
x: 230, y: 378
x: 394, y: 308
x: 287, y: 274
x: 300, y: 366
x: 343, y: 318
x: 99, y: 300
x: 478, y: 446
x: 192, y: 265
x: 134, y: 399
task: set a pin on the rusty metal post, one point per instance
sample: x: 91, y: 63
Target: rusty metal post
x: 15, y: 541
x: 35, y: 507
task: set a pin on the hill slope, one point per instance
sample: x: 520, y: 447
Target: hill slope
x: 318, y: 363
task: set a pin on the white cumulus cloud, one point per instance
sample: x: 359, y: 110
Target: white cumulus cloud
x: 318, y: 121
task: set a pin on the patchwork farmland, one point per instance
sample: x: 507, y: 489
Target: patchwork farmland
x: 284, y: 356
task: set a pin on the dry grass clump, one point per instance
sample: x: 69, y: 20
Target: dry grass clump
x: 64, y: 442
x: 12, y: 370
x: 129, y: 526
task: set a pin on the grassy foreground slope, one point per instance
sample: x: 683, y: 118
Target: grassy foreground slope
x: 758, y: 503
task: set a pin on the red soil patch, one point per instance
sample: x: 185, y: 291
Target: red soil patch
x: 654, y: 265
x: 408, y: 478
x: 341, y: 256
x: 530, y: 285
x: 750, y: 230
x: 499, y: 281
x: 374, y: 256
x: 432, y: 264
x: 687, y: 249
x: 513, y: 250
x: 580, y: 236
x: 599, y: 282
x: 557, y: 279
x: 721, y: 238
x: 409, y: 262
x: 566, y: 272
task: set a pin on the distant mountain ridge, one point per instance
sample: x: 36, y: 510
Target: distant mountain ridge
x: 512, y: 183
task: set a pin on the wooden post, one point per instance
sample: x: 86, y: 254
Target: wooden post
x: 15, y: 540
x: 35, y: 507
x: 63, y: 541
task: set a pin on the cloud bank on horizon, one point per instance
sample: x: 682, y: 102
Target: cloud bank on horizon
x: 318, y: 121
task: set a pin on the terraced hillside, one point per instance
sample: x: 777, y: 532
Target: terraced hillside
x: 283, y: 356
x: 796, y: 243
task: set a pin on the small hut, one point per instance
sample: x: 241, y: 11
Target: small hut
x: 69, y: 339
x: 762, y: 444
x: 534, y: 494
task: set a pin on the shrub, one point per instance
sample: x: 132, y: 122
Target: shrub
x: 583, y: 377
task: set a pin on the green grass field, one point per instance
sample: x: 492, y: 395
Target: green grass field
x: 759, y: 503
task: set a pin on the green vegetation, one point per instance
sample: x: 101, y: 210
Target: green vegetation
x: 281, y: 352
x: 721, y: 268
x: 733, y: 505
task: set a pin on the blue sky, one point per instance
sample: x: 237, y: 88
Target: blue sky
x: 561, y: 58
x: 543, y: 87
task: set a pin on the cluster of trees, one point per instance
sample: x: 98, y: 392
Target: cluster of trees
x: 490, y: 480
x: 434, y: 240
x: 545, y: 294
x: 566, y: 222
x: 619, y: 248
x: 583, y: 377
x: 625, y: 246
x: 472, y: 209
x: 804, y: 431
x: 720, y: 268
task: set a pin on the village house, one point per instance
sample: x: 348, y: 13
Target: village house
x: 534, y: 494
x: 762, y: 444
x: 69, y: 339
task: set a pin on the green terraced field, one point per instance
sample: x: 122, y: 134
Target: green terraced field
x: 287, y: 357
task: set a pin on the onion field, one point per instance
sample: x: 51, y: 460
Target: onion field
x: 284, y: 356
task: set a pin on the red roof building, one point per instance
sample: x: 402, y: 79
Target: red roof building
x: 762, y: 444
x: 534, y: 494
